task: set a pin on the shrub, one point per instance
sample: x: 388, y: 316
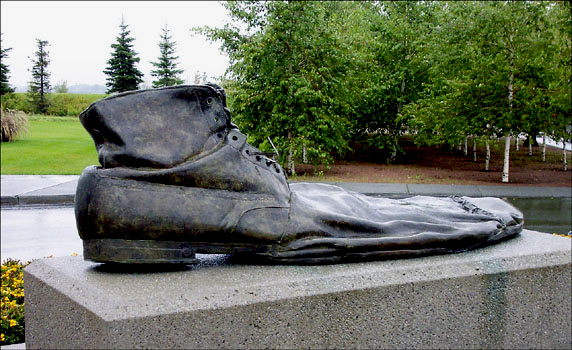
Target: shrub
x: 16, y: 102
x: 13, y: 124
x: 12, y: 302
x: 61, y: 104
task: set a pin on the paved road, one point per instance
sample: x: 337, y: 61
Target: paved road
x: 34, y: 233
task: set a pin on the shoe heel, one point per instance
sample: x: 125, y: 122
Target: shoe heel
x: 125, y: 251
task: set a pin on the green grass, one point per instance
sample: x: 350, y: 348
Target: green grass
x: 53, y: 145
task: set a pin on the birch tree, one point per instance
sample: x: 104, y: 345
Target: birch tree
x: 290, y: 74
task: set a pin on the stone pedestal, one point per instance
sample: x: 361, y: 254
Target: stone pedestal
x: 515, y: 294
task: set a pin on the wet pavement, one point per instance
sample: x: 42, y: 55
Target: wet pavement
x: 33, y: 232
x: 550, y: 215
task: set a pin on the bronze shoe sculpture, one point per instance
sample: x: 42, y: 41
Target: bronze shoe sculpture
x: 178, y: 178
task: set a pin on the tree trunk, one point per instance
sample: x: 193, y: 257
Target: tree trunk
x: 530, y: 149
x: 505, y: 167
x: 516, y: 142
x: 488, y: 156
x: 466, y: 150
x: 564, y: 165
x: 544, y: 147
x: 290, y: 159
x: 304, y: 159
x: 474, y: 150
x: 460, y: 145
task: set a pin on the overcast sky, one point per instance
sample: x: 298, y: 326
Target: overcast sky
x: 80, y: 34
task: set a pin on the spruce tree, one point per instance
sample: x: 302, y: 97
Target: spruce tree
x: 166, y: 66
x: 4, y: 70
x: 121, y: 69
x: 40, y: 84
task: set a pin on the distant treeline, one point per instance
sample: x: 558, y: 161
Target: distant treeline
x: 60, y: 104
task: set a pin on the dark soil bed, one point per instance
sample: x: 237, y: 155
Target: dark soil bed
x: 445, y: 165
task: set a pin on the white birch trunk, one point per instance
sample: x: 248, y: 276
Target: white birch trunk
x: 304, y: 159
x: 460, y: 145
x: 564, y: 165
x: 516, y: 142
x: 466, y: 147
x: 530, y: 147
x: 394, y: 153
x: 544, y: 147
x: 474, y: 150
x: 290, y: 159
x: 505, y: 166
x: 488, y: 156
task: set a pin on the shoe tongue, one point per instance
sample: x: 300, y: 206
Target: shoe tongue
x: 156, y: 128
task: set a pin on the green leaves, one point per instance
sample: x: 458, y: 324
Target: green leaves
x: 326, y: 74
x: 4, y: 70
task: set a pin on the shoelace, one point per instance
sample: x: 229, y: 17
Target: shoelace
x: 260, y: 156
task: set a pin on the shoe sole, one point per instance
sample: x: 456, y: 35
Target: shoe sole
x: 124, y: 251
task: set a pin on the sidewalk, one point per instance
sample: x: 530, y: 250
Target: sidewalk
x: 60, y: 189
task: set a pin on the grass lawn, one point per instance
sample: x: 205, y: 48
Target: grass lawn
x: 53, y: 145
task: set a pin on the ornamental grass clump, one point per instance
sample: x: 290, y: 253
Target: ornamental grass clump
x: 12, y: 302
x: 13, y: 124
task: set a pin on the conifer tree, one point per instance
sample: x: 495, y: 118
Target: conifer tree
x: 40, y: 84
x: 166, y: 67
x: 4, y: 70
x: 122, y: 73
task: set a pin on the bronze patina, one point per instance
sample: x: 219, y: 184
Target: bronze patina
x: 178, y: 178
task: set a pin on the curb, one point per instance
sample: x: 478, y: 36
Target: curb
x: 34, y: 199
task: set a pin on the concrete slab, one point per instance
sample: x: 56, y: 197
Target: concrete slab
x: 525, y: 191
x: 57, y: 194
x: 443, y: 190
x: 565, y: 192
x: 20, y: 346
x: 12, y: 185
x: 515, y: 294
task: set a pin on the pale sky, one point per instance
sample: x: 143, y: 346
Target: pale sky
x: 80, y: 34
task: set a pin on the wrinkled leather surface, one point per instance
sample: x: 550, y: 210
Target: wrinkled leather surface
x: 157, y: 128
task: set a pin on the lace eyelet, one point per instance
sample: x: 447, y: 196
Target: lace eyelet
x: 247, y: 152
x: 209, y: 101
x: 234, y: 138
